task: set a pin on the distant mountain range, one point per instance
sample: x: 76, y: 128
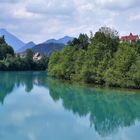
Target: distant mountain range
x: 63, y: 40
x: 52, y: 44
x: 26, y: 46
x: 11, y: 39
x: 46, y: 47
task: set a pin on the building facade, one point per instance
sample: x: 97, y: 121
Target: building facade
x: 130, y: 38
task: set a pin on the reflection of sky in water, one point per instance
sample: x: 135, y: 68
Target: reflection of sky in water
x: 35, y: 116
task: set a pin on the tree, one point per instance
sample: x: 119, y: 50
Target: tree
x: 29, y: 55
x: 81, y: 42
x: 117, y: 74
x: 107, y: 36
x: 42, y: 64
x: 134, y: 73
x: 108, y: 32
x: 5, y: 49
x: 29, y: 59
x: 53, y: 62
x: 137, y: 45
x: 100, y: 60
x: 2, y: 40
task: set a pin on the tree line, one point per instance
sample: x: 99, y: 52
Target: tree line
x: 9, y: 61
x: 99, y: 59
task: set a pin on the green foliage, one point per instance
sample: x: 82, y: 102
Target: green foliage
x: 117, y: 74
x: 99, y: 60
x: 10, y: 62
x: 42, y: 64
x: 28, y: 60
x: 54, y: 60
x: 108, y: 32
x: 29, y: 55
x: 108, y: 110
x: 62, y: 65
x: 108, y: 37
x: 137, y: 44
x: 135, y: 72
x: 81, y: 42
x: 5, y: 49
x: 2, y: 40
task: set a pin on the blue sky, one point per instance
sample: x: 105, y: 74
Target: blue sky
x: 39, y: 20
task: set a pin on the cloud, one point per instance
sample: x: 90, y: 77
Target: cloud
x: 135, y: 17
x: 9, y: 1
x: 39, y: 20
x: 117, y: 4
x: 52, y: 7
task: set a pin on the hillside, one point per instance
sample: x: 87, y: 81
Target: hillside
x: 26, y: 46
x: 47, y: 49
x: 11, y: 39
x: 63, y: 40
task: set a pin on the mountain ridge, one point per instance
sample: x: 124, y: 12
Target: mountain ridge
x: 51, y: 45
x: 28, y: 45
x: 47, y: 49
x: 11, y: 39
x: 63, y: 40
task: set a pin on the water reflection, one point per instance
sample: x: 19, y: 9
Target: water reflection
x: 108, y: 110
x: 10, y: 80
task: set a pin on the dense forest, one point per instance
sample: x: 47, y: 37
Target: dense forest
x: 99, y: 59
x: 9, y: 61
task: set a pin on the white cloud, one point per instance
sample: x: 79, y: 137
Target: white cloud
x: 52, y: 7
x: 134, y: 17
x: 39, y: 20
x: 9, y: 1
x: 117, y: 4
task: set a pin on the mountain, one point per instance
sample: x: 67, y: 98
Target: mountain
x: 11, y: 40
x: 47, y: 49
x: 63, y: 40
x: 52, y: 44
x: 26, y: 46
x: 50, y: 41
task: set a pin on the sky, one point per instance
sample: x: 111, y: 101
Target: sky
x: 39, y: 20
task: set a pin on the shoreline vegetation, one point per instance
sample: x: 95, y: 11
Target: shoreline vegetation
x: 82, y: 84
x: 101, y: 60
x: 9, y: 61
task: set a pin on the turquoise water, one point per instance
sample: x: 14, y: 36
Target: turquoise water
x: 34, y: 107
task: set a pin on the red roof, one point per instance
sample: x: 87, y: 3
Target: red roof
x: 131, y: 37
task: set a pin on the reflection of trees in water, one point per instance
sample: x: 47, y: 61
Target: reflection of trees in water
x: 6, y: 86
x: 9, y: 80
x: 109, y: 110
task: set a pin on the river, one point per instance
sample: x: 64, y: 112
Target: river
x: 36, y: 107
